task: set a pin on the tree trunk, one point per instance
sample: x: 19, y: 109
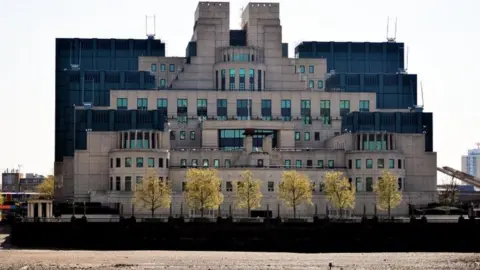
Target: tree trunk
x: 248, y: 213
x: 153, y: 212
x: 294, y: 211
x: 389, y: 211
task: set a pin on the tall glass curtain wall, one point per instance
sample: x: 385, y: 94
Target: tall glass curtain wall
x: 356, y: 57
x: 86, y: 70
x: 392, y: 122
x: 366, y: 67
x: 394, y: 91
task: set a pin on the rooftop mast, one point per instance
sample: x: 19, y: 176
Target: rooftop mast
x: 150, y: 35
x: 394, y: 37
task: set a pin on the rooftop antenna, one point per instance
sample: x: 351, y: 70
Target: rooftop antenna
x: 478, y: 145
x: 88, y: 104
x: 418, y: 107
x: 241, y: 13
x: 421, y: 89
x: 394, y: 37
x: 406, y: 62
x: 150, y: 35
x: 76, y: 66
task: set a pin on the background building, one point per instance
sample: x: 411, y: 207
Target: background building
x: 236, y: 102
x: 11, y: 180
x: 15, y: 181
x: 30, y: 182
x: 471, y: 162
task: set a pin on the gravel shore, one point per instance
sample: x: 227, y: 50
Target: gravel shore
x: 51, y: 259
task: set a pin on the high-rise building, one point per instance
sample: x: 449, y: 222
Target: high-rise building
x: 236, y: 101
x: 471, y: 162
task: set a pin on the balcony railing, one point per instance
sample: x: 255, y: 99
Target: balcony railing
x: 306, y: 149
x: 241, y: 149
x: 205, y: 149
x: 273, y: 117
x: 169, y: 88
x: 258, y: 166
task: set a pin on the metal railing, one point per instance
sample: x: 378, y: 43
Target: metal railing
x: 241, y: 149
x: 272, y: 117
x: 235, y: 90
x: 335, y: 218
x: 232, y: 166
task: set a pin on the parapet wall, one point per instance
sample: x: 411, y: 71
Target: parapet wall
x: 264, y: 11
x: 212, y: 10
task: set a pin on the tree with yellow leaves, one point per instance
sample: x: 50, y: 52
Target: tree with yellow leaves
x: 295, y: 189
x: 248, y: 195
x: 388, y: 195
x: 339, y: 191
x: 46, y: 188
x: 203, y: 189
x: 151, y: 193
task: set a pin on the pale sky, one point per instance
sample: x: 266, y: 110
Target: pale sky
x: 442, y: 36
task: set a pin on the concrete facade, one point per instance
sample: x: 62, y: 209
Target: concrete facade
x: 310, y: 140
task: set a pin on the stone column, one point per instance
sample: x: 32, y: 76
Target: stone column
x: 248, y: 143
x: 360, y: 146
x: 367, y: 139
x: 30, y: 210
x: 39, y: 205
x: 394, y: 141
x: 136, y: 139
x: 267, y: 144
x: 146, y: 137
x: 151, y: 139
x: 48, y: 209
x: 355, y: 141
x: 388, y: 141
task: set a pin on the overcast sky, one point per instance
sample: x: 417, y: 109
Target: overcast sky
x: 442, y: 36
